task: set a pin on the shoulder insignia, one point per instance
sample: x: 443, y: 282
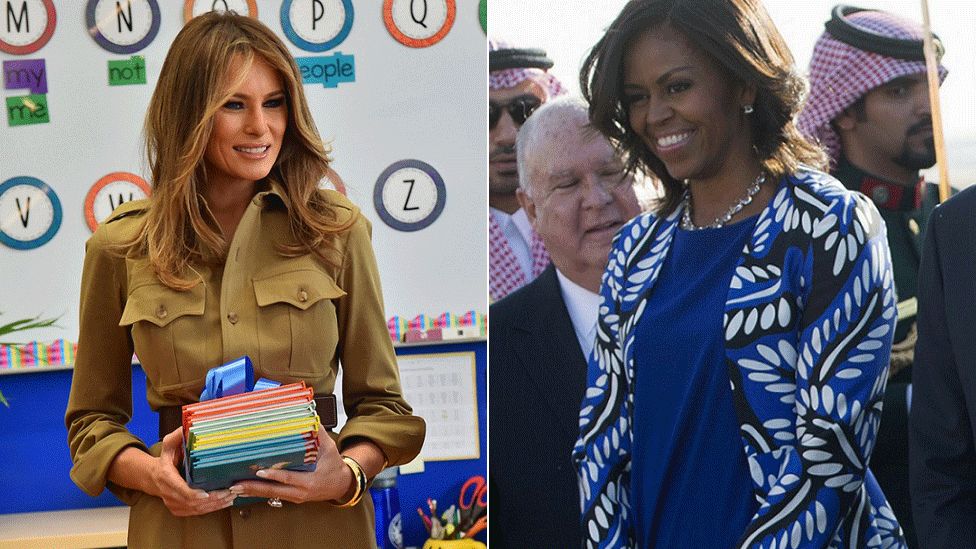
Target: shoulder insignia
x: 130, y: 208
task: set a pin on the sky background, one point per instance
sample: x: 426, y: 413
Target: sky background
x: 566, y: 30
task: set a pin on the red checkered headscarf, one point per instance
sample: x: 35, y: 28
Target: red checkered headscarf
x: 840, y: 74
x: 509, y: 78
x: 505, y: 274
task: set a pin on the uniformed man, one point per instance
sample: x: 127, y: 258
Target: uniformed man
x: 517, y: 85
x: 869, y: 107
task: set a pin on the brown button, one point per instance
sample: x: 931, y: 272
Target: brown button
x: 244, y: 513
x: 232, y: 317
x: 302, y: 295
x: 161, y: 311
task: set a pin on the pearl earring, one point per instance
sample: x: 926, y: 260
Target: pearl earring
x: 747, y: 109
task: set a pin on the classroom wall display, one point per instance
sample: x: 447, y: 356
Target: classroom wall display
x: 317, y: 25
x: 122, y: 27
x: 27, y: 26
x: 443, y: 387
x: 30, y: 213
x: 26, y: 76
x: 110, y: 192
x: 419, y: 23
x: 393, y: 103
x: 409, y: 195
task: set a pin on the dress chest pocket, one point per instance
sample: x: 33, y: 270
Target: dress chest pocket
x: 298, y: 330
x: 167, y: 331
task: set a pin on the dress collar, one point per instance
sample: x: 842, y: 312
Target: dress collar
x: 270, y: 192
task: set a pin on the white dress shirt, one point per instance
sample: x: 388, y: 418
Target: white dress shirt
x: 584, y: 307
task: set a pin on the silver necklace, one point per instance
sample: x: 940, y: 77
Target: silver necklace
x: 689, y: 225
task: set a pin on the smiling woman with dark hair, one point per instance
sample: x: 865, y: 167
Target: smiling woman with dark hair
x: 743, y: 341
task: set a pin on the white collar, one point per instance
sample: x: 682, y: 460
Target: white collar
x: 583, y: 307
x: 501, y: 217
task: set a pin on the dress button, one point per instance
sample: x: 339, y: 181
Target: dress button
x: 244, y: 513
x: 161, y: 311
x: 232, y: 317
x: 302, y: 296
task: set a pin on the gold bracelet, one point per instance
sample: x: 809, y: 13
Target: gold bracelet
x: 360, y: 476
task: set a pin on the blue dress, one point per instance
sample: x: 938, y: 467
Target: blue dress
x: 690, y: 482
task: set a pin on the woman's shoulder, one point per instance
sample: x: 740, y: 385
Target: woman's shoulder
x: 820, y: 186
x: 358, y: 232
x: 121, y: 225
x: 827, y: 196
x: 814, y: 206
x: 345, y: 210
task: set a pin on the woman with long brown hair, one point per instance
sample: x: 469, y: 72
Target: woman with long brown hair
x: 236, y: 253
x: 743, y: 340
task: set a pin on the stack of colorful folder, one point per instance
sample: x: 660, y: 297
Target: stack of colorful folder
x: 230, y: 438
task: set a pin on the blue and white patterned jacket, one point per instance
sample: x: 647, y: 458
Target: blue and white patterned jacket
x: 808, y: 326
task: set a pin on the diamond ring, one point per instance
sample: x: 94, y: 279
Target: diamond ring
x: 275, y: 502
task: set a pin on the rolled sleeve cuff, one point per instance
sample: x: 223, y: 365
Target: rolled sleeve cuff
x: 90, y: 471
x: 399, y: 437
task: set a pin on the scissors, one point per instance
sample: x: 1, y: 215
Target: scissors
x: 475, y: 506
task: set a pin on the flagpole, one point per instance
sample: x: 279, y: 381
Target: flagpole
x: 932, y: 68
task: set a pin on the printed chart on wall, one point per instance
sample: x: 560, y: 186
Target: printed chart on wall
x: 441, y: 389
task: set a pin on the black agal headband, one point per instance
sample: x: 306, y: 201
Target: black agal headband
x: 518, y: 58
x: 866, y: 40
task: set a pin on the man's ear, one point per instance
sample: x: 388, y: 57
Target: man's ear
x: 527, y: 204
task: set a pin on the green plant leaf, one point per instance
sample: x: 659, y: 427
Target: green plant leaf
x: 25, y: 324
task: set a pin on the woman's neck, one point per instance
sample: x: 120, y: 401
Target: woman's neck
x: 228, y: 201
x: 714, y: 196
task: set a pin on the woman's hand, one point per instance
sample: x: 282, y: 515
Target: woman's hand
x: 331, y: 480
x: 168, y: 483
x: 160, y: 476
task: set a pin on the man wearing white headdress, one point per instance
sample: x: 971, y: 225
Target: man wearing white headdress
x: 517, y: 85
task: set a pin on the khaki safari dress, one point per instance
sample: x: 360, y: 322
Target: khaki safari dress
x: 297, y: 318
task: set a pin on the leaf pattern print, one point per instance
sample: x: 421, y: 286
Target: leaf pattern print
x: 808, y: 325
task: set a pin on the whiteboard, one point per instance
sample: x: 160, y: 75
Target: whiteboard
x: 406, y: 103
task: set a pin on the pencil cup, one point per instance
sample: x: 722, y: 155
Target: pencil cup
x: 454, y: 544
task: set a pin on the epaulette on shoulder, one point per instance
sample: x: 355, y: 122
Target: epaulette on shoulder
x: 344, y: 208
x: 127, y: 209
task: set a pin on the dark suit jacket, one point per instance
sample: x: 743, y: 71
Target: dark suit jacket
x: 943, y: 415
x: 536, y: 382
